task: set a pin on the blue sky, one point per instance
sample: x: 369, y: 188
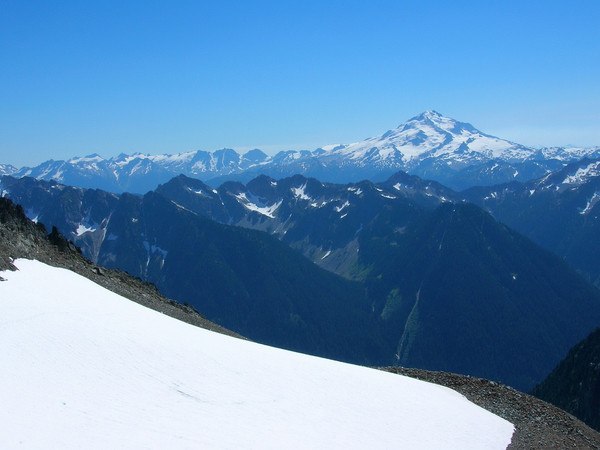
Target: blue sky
x: 166, y: 77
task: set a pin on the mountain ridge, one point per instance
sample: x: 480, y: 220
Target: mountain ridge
x: 409, y: 244
x: 428, y: 145
x: 22, y: 238
x: 559, y: 211
x: 535, y: 423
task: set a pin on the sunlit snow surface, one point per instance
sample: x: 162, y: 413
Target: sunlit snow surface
x: 82, y: 367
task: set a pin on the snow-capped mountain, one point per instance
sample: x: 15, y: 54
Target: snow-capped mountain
x: 7, y: 169
x: 568, y: 154
x: 430, y: 135
x: 140, y: 173
x: 322, y: 220
x: 429, y: 145
x: 453, y: 153
x: 89, y: 369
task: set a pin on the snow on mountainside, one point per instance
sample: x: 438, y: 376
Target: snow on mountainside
x: 431, y: 135
x: 85, y: 368
x: 568, y: 154
x: 7, y: 169
x: 429, y: 145
x: 139, y: 173
x: 584, y: 174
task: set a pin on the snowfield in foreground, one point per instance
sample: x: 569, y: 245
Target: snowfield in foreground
x: 82, y: 367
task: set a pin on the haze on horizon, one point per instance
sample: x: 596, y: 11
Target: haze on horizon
x: 170, y: 77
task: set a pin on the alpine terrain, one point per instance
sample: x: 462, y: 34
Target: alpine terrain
x: 558, y: 211
x: 429, y: 145
x: 64, y: 331
x: 88, y: 368
x: 434, y: 284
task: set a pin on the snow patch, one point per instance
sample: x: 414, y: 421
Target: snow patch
x: 402, y: 186
x: 183, y: 208
x: 32, y: 215
x: 87, y: 368
x: 258, y: 204
x: 152, y: 249
x: 197, y: 191
x: 591, y: 203
x: 583, y: 174
x: 344, y: 205
x: 300, y: 193
x: 82, y: 229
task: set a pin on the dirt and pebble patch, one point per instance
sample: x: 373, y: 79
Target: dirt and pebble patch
x: 538, y: 425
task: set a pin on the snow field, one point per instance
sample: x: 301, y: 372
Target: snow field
x: 85, y: 368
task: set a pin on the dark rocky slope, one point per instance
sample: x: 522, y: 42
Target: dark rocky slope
x: 463, y: 293
x: 21, y: 238
x: 559, y: 211
x: 574, y: 385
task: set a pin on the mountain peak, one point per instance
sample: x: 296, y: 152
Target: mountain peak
x: 430, y: 114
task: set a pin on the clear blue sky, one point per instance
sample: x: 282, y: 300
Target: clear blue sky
x: 165, y: 77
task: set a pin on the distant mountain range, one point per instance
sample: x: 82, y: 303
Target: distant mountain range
x: 429, y: 145
x: 438, y: 283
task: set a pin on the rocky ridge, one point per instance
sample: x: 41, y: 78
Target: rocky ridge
x: 22, y: 238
